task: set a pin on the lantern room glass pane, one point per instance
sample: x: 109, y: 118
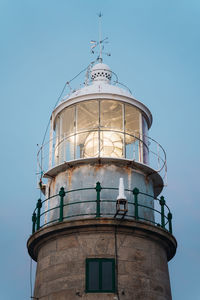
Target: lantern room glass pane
x: 60, y: 150
x: 132, y: 147
x: 132, y: 119
x: 145, y: 141
x: 69, y: 148
x: 111, y: 114
x: 67, y: 125
x: 57, y: 141
x: 87, y: 115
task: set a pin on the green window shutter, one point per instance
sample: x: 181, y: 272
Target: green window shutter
x: 100, y: 275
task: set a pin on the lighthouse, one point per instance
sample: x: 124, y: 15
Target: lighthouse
x: 103, y: 229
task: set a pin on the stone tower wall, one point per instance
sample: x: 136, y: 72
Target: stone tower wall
x: 142, y: 254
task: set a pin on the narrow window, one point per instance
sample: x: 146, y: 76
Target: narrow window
x: 100, y: 275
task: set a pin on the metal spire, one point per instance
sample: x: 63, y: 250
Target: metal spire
x: 100, y: 43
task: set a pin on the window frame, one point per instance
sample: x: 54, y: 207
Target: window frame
x: 99, y: 260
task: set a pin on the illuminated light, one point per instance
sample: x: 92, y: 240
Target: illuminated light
x: 110, y: 144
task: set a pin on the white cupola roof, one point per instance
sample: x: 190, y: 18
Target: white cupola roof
x: 101, y: 72
x: 100, y: 75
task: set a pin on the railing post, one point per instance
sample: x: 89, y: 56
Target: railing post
x: 98, y: 190
x: 34, y: 222
x: 162, y: 204
x: 39, y: 205
x: 61, y: 194
x: 135, y: 193
x: 170, y: 222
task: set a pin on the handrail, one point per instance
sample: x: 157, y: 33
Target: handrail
x: 39, y: 219
x: 143, y: 142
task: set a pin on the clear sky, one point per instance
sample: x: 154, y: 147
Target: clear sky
x: 155, y: 47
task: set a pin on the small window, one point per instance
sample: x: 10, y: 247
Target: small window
x: 100, y: 275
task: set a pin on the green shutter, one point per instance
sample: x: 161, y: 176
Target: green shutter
x: 87, y: 274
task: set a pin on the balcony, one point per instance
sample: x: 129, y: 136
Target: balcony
x: 74, y: 205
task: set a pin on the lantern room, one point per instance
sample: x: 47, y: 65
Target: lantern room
x: 100, y: 120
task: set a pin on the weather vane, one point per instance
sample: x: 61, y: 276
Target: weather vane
x: 100, y: 43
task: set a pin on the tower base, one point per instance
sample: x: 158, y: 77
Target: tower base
x: 141, y: 253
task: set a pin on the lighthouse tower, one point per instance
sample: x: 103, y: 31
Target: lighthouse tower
x: 103, y: 230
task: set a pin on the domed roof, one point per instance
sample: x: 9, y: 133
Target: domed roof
x: 99, y: 87
x: 101, y: 75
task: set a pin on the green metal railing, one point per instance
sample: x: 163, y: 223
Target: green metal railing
x: 162, y: 216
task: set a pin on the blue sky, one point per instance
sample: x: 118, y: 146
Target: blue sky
x: 155, y: 48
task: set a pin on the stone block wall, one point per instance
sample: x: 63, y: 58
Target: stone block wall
x: 142, y: 264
